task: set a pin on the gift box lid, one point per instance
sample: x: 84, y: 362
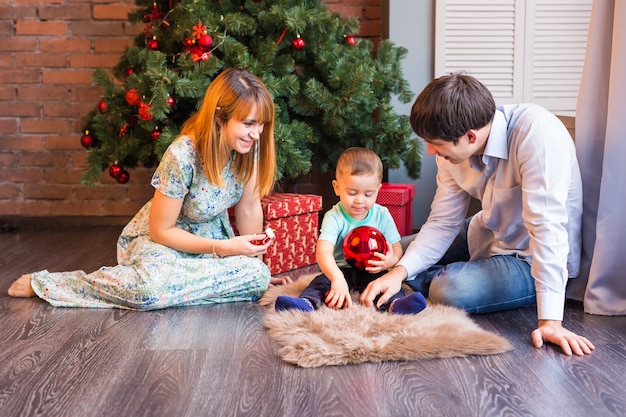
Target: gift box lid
x: 395, y: 194
x: 278, y: 205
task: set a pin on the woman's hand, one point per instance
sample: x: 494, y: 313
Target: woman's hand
x: 248, y: 245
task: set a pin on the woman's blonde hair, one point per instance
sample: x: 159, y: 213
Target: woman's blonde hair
x: 233, y: 94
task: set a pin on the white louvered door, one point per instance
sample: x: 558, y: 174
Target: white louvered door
x: 523, y: 50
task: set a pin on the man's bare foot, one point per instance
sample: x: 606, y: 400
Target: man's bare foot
x: 22, y: 287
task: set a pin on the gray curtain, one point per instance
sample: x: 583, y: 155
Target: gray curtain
x: 601, y: 149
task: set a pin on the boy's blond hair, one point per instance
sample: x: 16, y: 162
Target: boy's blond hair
x: 359, y: 161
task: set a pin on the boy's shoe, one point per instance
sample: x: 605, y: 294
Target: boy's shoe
x: 293, y: 303
x: 410, y: 304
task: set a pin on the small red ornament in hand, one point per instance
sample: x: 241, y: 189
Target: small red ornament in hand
x: 269, y: 234
x: 360, y: 244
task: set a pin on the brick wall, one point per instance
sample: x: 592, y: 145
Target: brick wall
x: 48, y: 52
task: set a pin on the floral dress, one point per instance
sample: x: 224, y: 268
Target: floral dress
x: 153, y: 276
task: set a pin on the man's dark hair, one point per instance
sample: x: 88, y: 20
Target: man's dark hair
x: 451, y: 105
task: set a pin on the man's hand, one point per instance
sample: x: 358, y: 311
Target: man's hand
x: 553, y: 331
x: 387, y: 285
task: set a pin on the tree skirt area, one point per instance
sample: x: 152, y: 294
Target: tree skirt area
x: 362, y: 334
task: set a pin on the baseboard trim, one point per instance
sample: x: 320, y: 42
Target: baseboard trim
x: 10, y: 223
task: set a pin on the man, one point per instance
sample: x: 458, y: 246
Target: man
x: 519, y: 250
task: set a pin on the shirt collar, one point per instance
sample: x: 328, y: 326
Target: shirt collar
x: 497, y: 144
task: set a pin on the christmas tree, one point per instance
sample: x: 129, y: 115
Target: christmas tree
x: 331, y: 89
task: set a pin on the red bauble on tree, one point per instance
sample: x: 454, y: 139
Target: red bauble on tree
x: 351, y: 40
x: 132, y: 97
x: 170, y: 101
x: 298, y: 43
x: 115, y: 170
x: 144, y: 111
x: 360, y: 244
x: 153, y: 44
x: 156, y: 133
x: 205, y: 42
x: 123, y: 177
x: 102, y: 106
x: 87, y: 140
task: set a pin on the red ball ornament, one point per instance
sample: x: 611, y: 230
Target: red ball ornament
x: 351, y: 40
x: 197, y: 54
x: 205, y: 42
x: 170, y: 101
x: 123, y: 177
x: 129, y: 71
x: 156, y: 133
x: 115, y: 170
x: 144, y: 111
x: 153, y: 44
x: 102, y: 106
x: 87, y: 140
x: 298, y: 43
x: 132, y: 97
x: 360, y: 244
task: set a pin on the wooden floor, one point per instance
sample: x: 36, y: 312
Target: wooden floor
x: 218, y: 361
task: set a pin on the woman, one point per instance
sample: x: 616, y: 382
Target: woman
x: 180, y: 248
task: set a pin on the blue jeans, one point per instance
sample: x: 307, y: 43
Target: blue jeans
x: 502, y: 282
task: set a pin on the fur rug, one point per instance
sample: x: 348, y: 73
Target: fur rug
x: 361, y: 334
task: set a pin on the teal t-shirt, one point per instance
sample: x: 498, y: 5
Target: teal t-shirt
x: 337, y: 223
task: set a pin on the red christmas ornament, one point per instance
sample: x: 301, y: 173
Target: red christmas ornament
x: 129, y: 71
x: 123, y: 177
x: 170, y: 101
x: 361, y: 243
x: 198, y: 54
x: 154, y: 15
x: 205, y: 42
x: 132, y: 97
x: 144, y: 111
x: 351, y: 40
x: 123, y: 130
x: 87, y: 140
x: 115, y: 170
x: 102, y: 106
x: 298, y: 43
x: 153, y: 44
x: 188, y: 41
x: 156, y: 133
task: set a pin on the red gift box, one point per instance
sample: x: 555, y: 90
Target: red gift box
x: 398, y: 198
x: 294, y: 219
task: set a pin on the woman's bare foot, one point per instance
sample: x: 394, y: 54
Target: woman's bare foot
x: 22, y: 287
